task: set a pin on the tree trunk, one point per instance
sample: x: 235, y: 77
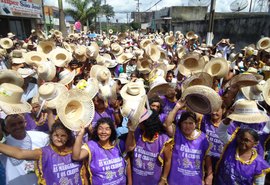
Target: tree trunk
x: 62, y: 24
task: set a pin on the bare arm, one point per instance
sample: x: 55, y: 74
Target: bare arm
x: 167, y: 163
x: 129, y: 171
x: 78, y: 154
x: 209, y: 171
x: 130, y: 141
x: 50, y: 118
x: 170, y: 119
x: 19, y: 153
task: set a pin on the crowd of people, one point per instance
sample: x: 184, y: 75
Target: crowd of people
x: 133, y: 108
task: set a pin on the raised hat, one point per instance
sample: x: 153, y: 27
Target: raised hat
x: 60, y: 57
x: 132, y: 91
x: 11, y: 76
x: 66, y: 76
x: 46, y: 71
x: 191, y: 63
x: 46, y: 47
x: 217, y: 67
x: 6, y: 43
x: 34, y: 58
x: 101, y: 73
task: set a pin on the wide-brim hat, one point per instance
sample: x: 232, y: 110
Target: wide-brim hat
x: 90, y: 86
x: 110, y: 31
x: 92, y: 51
x: 134, y: 111
x: 254, y: 92
x: 266, y: 92
x: 80, y: 53
x: 106, y: 42
x: 243, y: 80
x: 34, y: 58
x: 217, y: 67
x: 190, y: 35
x: 132, y: 91
x: 202, y: 99
x: 144, y: 65
x: 116, y: 49
x: 75, y: 109
x: 17, y: 56
x: 153, y: 52
x: 263, y: 43
x: 181, y: 51
x: 144, y: 43
x: 200, y: 78
x: 123, y: 78
x: 11, y: 76
x: 10, y: 35
x: 66, y: 76
x: 124, y: 58
x: 60, y: 57
x: 101, y: 73
x: 26, y: 72
x: 46, y: 47
x: 191, y: 63
x: 246, y: 111
x: 6, y: 43
x: 10, y: 99
x: 57, y: 33
x: 170, y: 40
x: 68, y: 47
x: 46, y: 71
x: 51, y: 92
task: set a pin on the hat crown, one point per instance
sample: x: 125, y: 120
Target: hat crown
x: 133, y: 89
x: 246, y: 107
x: 47, y: 90
x: 10, y: 93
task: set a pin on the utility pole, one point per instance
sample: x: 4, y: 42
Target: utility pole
x: 210, y: 33
x: 138, y: 10
x: 62, y: 24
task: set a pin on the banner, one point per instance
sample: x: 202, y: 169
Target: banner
x: 20, y: 8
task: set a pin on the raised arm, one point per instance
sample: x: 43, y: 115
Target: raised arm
x: 170, y: 119
x: 130, y: 141
x: 78, y: 153
x: 19, y: 153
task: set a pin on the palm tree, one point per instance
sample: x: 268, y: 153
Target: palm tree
x: 62, y: 24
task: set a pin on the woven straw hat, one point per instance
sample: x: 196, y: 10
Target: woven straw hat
x: 217, y: 67
x: 17, y: 56
x: 132, y: 91
x: 6, y: 43
x: 92, y: 51
x: 90, y: 86
x: 110, y: 31
x: 66, y: 76
x: 135, y: 111
x: 144, y: 65
x: 243, y: 80
x: 170, y: 40
x: 124, y: 58
x: 101, y: 73
x: 106, y: 42
x: 26, y: 72
x: 116, y: 49
x: 123, y: 77
x: 51, y: 92
x: 75, y: 108
x: 11, y: 76
x: 246, y: 111
x: 202, y: 99
x: 10, y: 99
x: 46, y: 47
x: 181, y: 51
x: 46, y: 71
x: 80, y: 53
x: 60, y: 57
x: 266, y: 92
x: 254, y: 92
x: 145, y: 43
x: 10, y: 35
x: 200, y: 78
x: 34, y: 58
x: 263, y: 43
x: 153, y: 52
x: 191, y: 63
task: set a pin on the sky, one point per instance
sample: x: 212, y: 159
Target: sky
x: 123, y: 7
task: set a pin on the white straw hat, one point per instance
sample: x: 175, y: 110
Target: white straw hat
x: 75, y: 108
x: 34, y: 58
x: 6, y: 43
x: 66, y: 76
x: 132, y: 91
x: 46, y: 47
x: 46, y: 71
x: 10, y: 99
x: 11, y: 76
x: 60, y: 57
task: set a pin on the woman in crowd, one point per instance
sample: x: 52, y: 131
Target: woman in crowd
x: 106, y: 161
x: 190, y: 153
x: 151, y: 148
x: 240, y: 162
x: 54, y: 162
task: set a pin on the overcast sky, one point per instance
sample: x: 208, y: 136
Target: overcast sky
x: 121, y: 7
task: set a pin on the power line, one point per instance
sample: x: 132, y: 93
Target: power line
x: 153, y: 6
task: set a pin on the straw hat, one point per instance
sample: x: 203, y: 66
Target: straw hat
x: 101, y: 73
x: 92, y: 51
x: 80, y: 53
x: 200, y: 78
x: 190, y: 35
x: 11, y: 76
x: 254, y: 92
x: 3, y: 52
x: 17, y: 56
x: 135, y: 111
x: 266, y: 92
x: 124, y: 58
x: 144, y: 65
x: 90, y: 86
x: 246, y: 111
x: 181, y: 51
x: 75, y: 108
x: 217, y: 67
x: 110, y: 31
x: 202, y: 99
x: 51, y: 92
x: 243, y: 80
x: 116, y: 49
x: 266, y: 72
x: 157, y: 83
x: 26, y: 72
x: 191, y: 63
x: 123, y: 77
x: 46, y: 71
x: 170, y: 40
x: 263, y: 43
x: 67, y: 47
x: 10, y: 35
x: 60, y: 57
x: 66, y: 76
x: 34, y: 58
x: 132, y: 91
x: 46, y: 46
x: 153, y: 52
x: 106, y: 43
x: 10, y: 99
x: 145, y: 43
x: 57, y: 33
x: 6, y: 43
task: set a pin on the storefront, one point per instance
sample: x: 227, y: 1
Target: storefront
x: 20, y: 16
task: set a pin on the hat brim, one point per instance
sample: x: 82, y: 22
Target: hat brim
x: 249, y: 118
x: 159, y: 90
x: 18, y: 108
x: 68, y: 79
